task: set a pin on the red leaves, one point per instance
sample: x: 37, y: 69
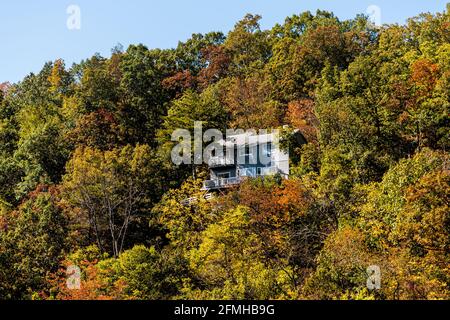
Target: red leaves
x: 97, y: 129
x: 180, y: 81
x: 5, y: 86
x: 218, y: 62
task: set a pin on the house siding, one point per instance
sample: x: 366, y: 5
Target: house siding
x: 279, y: 162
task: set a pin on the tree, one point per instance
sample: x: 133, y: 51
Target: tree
x: 228, y: 262
x: 112, y: 189
x: 301, y: 116
x: 144, y: 100
x: 98, y: 88
x: 196, y: 60
x: 182, y: 114
x: 32, y: 242
x: 181, y: 221
x: 139, y: 273
x: 391, y: 229
x: 35, y: 109
x: 249, y: 103
x: 99, y: 129
x: 248, y: 45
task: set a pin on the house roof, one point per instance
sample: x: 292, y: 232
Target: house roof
x: 253, y: 137
x: 249, y: 137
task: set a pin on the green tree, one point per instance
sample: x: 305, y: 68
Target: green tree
x: 114, y: 190
x: 144, y: 97
x: 32, y: 242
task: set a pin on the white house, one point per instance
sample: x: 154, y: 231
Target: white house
x: 247, y: 155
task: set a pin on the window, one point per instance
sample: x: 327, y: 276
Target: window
x: 250, y: 158
x: 223, y: 175
x: 259, y: 171
x: 267, y: 149
x: 247, y: 154
x: 246, y: 150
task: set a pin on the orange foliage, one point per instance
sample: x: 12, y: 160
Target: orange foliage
x: 301, y: 116
x: 280, y: 205
x: 292, y: 197
x: 92, y: 287
x: 424, y: 75
x: 274, y: 211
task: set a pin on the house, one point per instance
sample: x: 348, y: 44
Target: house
x: 247, y: 155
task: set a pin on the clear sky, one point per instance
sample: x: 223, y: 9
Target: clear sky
x: 33, y: 32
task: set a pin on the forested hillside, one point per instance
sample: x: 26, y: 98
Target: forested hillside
x: 86, y: 178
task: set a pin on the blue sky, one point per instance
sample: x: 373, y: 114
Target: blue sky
x: 33, y: 32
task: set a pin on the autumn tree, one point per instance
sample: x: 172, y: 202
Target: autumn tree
x: 113, y: 189
x: 32, y: 244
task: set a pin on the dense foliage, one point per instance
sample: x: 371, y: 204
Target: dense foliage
x: 86, y: 180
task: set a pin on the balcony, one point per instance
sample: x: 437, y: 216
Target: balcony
x: 243, y: 173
